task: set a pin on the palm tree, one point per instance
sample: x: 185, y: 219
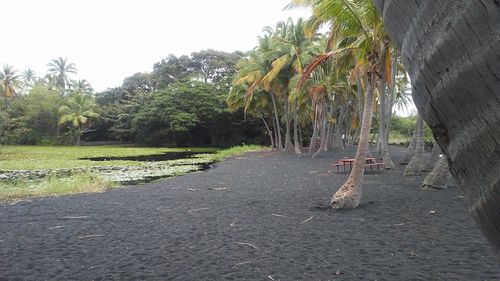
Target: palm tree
x: 81, y: 86
x: 10, y: 83
x: 61, y: 69
x: 360, y: 25
x: 454, y: 72
x: 29, y: 77
x: 78, y: 110
x: 416, y: 164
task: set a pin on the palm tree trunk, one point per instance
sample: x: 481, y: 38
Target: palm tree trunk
x: 416, y: 164
x: 312, y: 144
x: 349, y: 194
x: 435, y: 154
x: 296, y: 129
x: 410, y: 150
x: 278, y: 127
x: 450, y: 49
x: 288, y: 143
x: 269, y: 133
x: 322, y: 146
x: 382, y: 144
x: 437, y: 177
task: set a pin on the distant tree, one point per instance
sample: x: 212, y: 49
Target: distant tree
x: 215, y: 67
x: 139, y: 83
x: 29, y: 78
x: 78, y: 110
x: 81, y: 86
x: 10, y: 82
x: 171, y: 70
x: 42, y: 114
x: 174, y: 111
x: 60, y: 69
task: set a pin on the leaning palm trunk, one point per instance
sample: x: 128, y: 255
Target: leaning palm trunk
x: 322, y: 145
x: 269, y: 132
x: 410, y: 150
x: 383, y: 144
x: 277, y: 122
x: 296, y: 129
x: 349, y: 195
x: 438, y: 176
x: 451, y: 50
x: 288, y: 143
x: 435, y: 155
x: 312, y: 144
x: 416, y: 164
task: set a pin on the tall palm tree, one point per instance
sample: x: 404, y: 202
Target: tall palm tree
x: 455, y: 80
x: 81, y: 86
x: 10, y: 82
x: 61, y: 70
x: 359, y: 23
x: 78, y: 110
x: 28, y: 77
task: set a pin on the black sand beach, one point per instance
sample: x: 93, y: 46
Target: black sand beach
x: 255, y: 217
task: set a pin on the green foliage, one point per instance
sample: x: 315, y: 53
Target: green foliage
x: 236, y: 150
x: 403, y: 127
x: 176, y: 110
x: 55, y: 157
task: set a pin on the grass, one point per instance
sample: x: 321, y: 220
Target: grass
x: 235, y: 150
x: 54, y: 186
x: 54, y: 157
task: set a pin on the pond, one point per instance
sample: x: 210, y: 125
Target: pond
x: 147, y: 169
x: 154, y: 167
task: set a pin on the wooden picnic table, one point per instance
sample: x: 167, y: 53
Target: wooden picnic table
x: 344, y: 162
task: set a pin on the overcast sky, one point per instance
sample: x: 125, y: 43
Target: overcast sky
x: 109, y: 40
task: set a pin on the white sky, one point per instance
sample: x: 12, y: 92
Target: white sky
x: 109, y: 40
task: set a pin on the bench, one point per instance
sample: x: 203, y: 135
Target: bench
x: 371, y: 165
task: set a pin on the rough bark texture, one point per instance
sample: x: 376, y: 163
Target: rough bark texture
x: 410, y: 150
x: 438, y: 177
x: 432, y: 162
x: 416, y: 164
x: 349, y: 194
x: 451, y: 49
x: 296, y: 144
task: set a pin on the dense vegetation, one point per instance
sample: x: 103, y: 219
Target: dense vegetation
x: 180, y: 103
x: 287, y: 92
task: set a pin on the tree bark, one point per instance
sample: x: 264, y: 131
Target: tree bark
x: 435, y: 155
x: 416, y: 164
x: 451, y: 51
x: 296, y: 129
x: 269, y: 132
x: 278, y: 127
x: 349, y: 194
x: 438, y: 176
x: 312, y: 144
x: 383, y: 144
x: 322, y: 145
x: 288, y: 143
x: 410, y: 150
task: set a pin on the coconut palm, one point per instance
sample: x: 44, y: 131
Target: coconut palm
x: 29, y: 78
x: 78, y: 110
x: 61, y: 70
x: 359, y: 24
x: 81, y: 86
x: 10, y: 82
x: 455, y: 80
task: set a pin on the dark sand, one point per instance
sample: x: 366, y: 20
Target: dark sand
x: 256, y: 217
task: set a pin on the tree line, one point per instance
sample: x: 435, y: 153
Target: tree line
x: 180, y: 103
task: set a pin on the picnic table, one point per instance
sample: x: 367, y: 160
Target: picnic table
x: 348, y: 162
